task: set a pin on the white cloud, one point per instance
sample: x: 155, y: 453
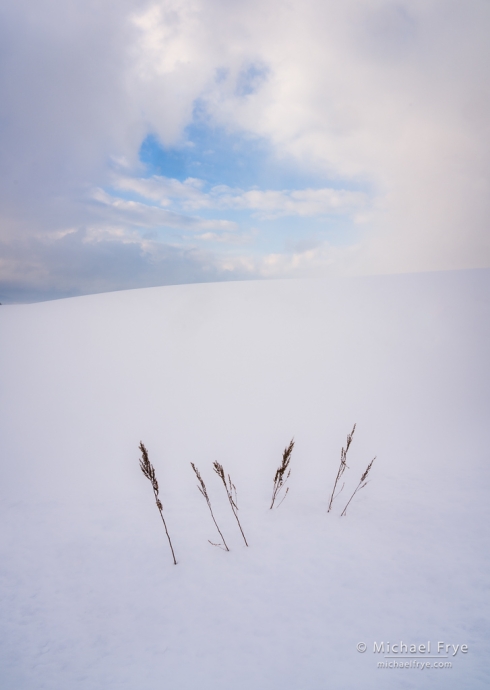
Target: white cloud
x: 323, y: 259
x: 301, y: 202
x: 165, y: 190
x: 136, y: 213
x: 232, y: 238
x: 189, y: 195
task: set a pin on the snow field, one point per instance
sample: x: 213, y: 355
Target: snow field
x: 231, y: 372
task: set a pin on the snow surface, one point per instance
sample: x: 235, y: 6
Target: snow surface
x: 90, y: 598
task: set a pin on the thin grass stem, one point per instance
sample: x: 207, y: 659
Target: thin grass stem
x: 342, y: 467
x: 360, y: 486
x: 149, y: 472
x: 202, y: 488
x: 230, y: 490
x: 279, y: 479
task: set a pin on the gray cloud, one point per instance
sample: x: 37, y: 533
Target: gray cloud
x: 75, y: 264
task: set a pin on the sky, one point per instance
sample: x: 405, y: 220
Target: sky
x: 154, y: 143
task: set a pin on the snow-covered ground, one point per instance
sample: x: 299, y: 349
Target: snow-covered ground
x: 90, y: 598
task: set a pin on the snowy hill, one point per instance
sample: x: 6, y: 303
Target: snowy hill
x: 90, y: 598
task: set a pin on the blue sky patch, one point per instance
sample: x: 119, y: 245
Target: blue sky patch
x: 219, y: 157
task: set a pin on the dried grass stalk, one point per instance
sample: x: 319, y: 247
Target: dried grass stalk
x: 360, y: 486
x: 230, y: 492
x: 279, y: 479
x: 149, y: 472
x: 202, y: 488
x: 342, y: 467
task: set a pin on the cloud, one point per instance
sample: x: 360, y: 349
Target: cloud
x: 100, y: 259
x: 393, y: 93
x: 135, y: 213
x: 190, y: 195
x: 386, y: 103
x: 165, y: 190
x: 301, y: 202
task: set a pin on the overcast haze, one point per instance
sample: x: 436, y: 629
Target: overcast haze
x: 153, y: 143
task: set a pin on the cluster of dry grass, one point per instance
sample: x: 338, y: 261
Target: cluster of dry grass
x: 230, y: 489
x: 202, y: 488
x: 281, y: 477
x: 342, y: 467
